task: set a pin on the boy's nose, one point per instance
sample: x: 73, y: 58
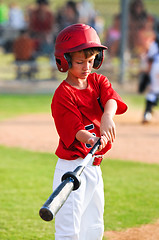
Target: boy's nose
x: 86, y: 66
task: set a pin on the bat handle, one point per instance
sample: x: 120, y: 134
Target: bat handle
x: 95, y: 147
x: 75, y: 175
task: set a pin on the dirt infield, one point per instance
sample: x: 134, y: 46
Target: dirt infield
x: 134, y: 141
x: 145, y: 232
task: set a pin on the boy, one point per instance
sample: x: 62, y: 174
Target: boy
x: 83, y: 108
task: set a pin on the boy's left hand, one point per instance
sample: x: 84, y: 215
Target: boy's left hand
x: 107, y: 128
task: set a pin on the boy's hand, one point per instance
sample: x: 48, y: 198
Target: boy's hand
x: 103, y: 142
x: 107, y: 128
x: 107, y: 125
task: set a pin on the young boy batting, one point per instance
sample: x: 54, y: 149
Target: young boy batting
x: 83, y: 108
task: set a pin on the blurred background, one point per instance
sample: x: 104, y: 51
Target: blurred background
x: 28, y: 30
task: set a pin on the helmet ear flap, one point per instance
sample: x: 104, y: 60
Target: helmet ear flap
x: 62, y: 64
x: 68, y: 58
x: 98, y: 60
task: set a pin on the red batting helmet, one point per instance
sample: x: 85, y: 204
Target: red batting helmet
x: 75, y: 38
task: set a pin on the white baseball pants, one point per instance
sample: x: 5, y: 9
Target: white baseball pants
x: 81, y: 216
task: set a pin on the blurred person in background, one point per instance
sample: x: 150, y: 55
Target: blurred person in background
x: 138, y: 21
x: 90, y: 16
x: 112, y: 36
x: 145, y: 36
x: 24, y: 52
x: 16, y: 17
x: 16, y: 22
x: 87, y: 14
x: 152, y: 71
x: 41, y: 25
x: 67, y: 15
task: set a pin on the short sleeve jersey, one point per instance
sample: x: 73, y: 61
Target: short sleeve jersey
x: 74, y: 110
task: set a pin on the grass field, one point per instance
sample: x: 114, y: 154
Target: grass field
x: 15, y: 105
x: 26, y: 180
x: 131, y: 193
x: 131, y: 188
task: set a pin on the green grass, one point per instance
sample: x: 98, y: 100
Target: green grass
x: 136, y: 101
x: 26, y: 182
x: 14, y: 105
x: 131, y: 193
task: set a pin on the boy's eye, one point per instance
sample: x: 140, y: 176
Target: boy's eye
x: 81, y: 62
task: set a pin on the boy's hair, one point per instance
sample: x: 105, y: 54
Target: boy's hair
x: 88, y: 52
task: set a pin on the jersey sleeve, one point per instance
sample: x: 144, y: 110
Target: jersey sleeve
x: 67, y: 117
x: 107, y: 92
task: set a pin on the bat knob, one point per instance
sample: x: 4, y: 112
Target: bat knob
x: 46, y: 214
x: 75, y: 177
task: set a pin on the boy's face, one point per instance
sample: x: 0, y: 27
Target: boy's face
x: 81, y: 66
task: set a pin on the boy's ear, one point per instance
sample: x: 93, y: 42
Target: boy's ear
x: 98, y: 60
x: 68, y: 58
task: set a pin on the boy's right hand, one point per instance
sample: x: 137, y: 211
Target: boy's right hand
x: 103, y: 141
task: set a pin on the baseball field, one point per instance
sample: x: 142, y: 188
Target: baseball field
x: 130, y: 171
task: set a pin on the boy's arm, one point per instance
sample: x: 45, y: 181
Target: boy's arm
x: 107, y: 127
x: 88, y: 138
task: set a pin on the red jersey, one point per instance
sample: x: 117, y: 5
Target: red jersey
x: 81, y: 109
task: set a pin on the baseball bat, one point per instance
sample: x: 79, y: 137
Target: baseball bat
x: 70, y: 182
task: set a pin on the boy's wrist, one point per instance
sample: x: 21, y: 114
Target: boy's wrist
x: 108, y: 115
x: 84, y: 136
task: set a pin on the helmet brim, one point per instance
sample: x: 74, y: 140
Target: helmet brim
x: 85, y: 46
